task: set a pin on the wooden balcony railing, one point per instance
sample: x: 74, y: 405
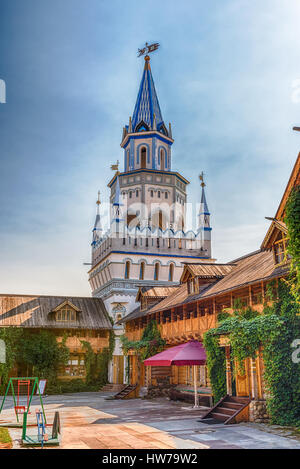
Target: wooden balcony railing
x: 180, y: 330
x: 134, y: 335
x: 185, y: 329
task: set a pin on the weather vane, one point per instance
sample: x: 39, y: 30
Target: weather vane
x: 115, y: 167
x: 201, y: 177
x: 148, y: 48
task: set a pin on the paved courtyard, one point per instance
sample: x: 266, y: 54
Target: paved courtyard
x: 89, y: 421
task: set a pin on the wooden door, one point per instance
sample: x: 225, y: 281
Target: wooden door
x: 133, y: 369
x: 243, y: 381
x: 118, y: 377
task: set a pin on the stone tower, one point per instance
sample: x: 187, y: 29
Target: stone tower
x: 147, y: 242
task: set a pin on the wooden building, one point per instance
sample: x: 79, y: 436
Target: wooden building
x: 83, y: 319
x: 207, y: 289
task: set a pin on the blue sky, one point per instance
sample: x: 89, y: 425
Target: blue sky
x: 226, y: 77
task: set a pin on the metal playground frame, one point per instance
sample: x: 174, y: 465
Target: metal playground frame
x: 27, y: 382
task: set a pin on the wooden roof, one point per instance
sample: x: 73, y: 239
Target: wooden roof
x: 38, y: 312
x: 272, y: 232
x: 294, y: 181
x: 250, y: 269
x: 154, y: 292
x: 278, y: 220
x: 206, y: 270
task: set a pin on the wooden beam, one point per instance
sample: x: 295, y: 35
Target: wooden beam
x: 250, y: 296
x: 228, y: 371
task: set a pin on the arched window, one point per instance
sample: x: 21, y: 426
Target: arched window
x: 156, y: 271
x: 143, y: 157
x: 128, y: 160
x: 142, y: 270
x: 161, y: 159
x: 171, y: 273
x: 127, y: 270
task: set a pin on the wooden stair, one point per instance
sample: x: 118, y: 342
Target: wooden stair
x: 112, y: 387
x: 125, y: 392
x: 227, y: 410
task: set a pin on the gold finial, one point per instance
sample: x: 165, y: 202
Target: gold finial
x: 115, y: 167
x: 98, y: 200
x: 201, y: 177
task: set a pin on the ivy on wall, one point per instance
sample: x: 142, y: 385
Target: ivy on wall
x: 96, y: 364
x: 150, y: 343
x: 41, y: 354
x: 292, y: 220
x: 275, y: 331
x: 11, y: 338
x: 215, y: 361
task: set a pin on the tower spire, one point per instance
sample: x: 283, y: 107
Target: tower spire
x: 117, y: 202
x: 203, y: 205
x: 97, y: 230
x: 147, y: 104
x: 204, y: 229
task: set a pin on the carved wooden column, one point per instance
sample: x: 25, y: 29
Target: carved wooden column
x: 168, y: 329
x: 228, y: 371
x: 254, y: 384
x: 184, y: 319
x: 161, y: 315
x: 173, y: 327
x: 250, y: 297
x: 277, y: 294
x: 262, y: 292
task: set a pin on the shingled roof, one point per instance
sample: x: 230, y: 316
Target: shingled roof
x: 249, y: 269
x: 37, y: 312
x: 154, y: 292
x: 207, y: 270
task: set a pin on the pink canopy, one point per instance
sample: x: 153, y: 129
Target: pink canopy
x: 190, y: 353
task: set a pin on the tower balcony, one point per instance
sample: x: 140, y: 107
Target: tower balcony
x: 147, y: 241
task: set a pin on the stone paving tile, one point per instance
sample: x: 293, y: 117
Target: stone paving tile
x: 221, y: 444
x: 89, y: 421
x: 189, y: 444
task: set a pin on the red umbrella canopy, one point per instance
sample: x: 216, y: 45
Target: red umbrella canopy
x: 190, y: 353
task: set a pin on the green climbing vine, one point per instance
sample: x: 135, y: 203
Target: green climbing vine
x: 41, y: 355
x: 150, y: 343
x: 292, y: 220
x: 11, y: 338
x: 215, y: 361
x: 274, y: 330
x: 96, y: 364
